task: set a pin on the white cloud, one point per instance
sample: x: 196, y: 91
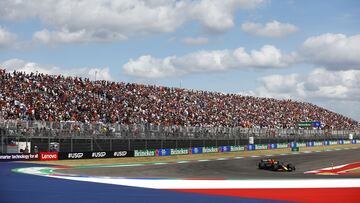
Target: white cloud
x: 196, y: 41
x: 320, y: 84
x: 149, y: 67
x: 270, y: 29
x: 69, y: 19
x: 81, y: 36
x: 28, y: 67
x: 205, y: 61
x: 334, y: 51
x: 335, y: 90
x: 7, y: 39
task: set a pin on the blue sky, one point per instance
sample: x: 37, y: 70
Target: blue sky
x: 302, y: 50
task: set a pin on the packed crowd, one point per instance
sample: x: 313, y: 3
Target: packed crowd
x: 38, y: 96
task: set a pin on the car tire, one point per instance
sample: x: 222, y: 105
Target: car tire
x: 276, y: 167
x: 291, y: 167
x: 261, y: 165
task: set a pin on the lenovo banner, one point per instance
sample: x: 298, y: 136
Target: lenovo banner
x: 49, y: 156
x: 19, y: 157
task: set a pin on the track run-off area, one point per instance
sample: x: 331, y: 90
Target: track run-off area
x: 214, y: 178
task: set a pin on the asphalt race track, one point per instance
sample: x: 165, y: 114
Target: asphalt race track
x: 245, y: 168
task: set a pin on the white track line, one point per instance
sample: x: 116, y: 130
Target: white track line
x: 238, y: 157
x: 182, y: 162
x: 222, y: 159
x: 203, y: 160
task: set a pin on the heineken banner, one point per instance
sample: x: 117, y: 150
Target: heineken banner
x: 237, y: 148
x: 341, y: 141
x: 162, y: 152
x: 250, y: 147
x: 224, y: 149
x: 353, y: 141
x: 310, y: 144
x: 347, y: 142
x: 150, y: 152
x: 179, y: 151
x: 196, y: 150
x: 326, y: 142
x: 282, y: 145
x: 292, y: 144
x: 261, y: 146
x: 272, y: 146
x: 209, y: 149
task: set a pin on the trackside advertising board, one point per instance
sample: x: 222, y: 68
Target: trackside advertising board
x: 95, y: 155
x: 310, y: 144
x: 149, y: 152
x: 19, y: 157
x: 292, y: 144
x: 261, y: 146
x: 210, y: 149
x: 333, y: 142
x: 301, y: 144
x: 196, y: 150
x: 318, y: 143
x: 347, y: 142
x: 162, y: 152
x: 179, y: 151
x: 250, y: 147
x: 282, y: 145
x: 272, y: 146
x: 224, y: 149
x: 237, y: 148
x: 48, y: 156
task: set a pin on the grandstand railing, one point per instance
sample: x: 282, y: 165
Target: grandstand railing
x: 76, y: 136
x: 148, y: 131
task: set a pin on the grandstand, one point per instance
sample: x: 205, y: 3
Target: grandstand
x: 58, y: 107
x: 58, y: 98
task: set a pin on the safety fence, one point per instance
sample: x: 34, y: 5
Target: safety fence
x: 48, y: 156
x: 149, y: 131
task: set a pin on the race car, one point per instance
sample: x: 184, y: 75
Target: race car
x: 274, y: 165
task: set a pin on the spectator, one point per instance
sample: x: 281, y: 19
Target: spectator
x: 38, y: 96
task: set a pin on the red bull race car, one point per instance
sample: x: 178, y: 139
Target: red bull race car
x: 274, y: 165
